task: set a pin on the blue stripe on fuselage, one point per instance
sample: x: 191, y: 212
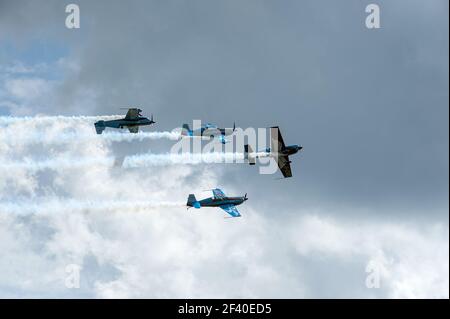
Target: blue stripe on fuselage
x: 211, y: 202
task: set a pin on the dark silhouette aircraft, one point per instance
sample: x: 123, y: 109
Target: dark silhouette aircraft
x: 278, y: 150
x: 219, y: 199
x: 208, y: 130
x: 132, y: 121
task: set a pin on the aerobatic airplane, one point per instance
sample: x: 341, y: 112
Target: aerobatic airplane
x: 132, y: 121
x: 278, y: 150
x: 208, y: 130
x: 219, y: 199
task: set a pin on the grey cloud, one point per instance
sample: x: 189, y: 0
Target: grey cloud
x: 369, y: 106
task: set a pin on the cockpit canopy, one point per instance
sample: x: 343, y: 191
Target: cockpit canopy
x: 209, y: 125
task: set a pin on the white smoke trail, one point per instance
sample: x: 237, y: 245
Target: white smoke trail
x: 75, y: 137
x: 120, y: 137
x: 52, y: 206
x: 57, y: 163
x: 135, y: 161
x: 183, y: 158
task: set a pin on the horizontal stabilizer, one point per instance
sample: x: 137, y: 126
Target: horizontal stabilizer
x: 186, y: 131
x: 192, y: 201
x: 100, y: 126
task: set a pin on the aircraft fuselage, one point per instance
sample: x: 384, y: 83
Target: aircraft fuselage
x: 287, y: 150
x: 217, y: 202
x: 209, y: 132
x: 121, y: 123
x: 291, y: 149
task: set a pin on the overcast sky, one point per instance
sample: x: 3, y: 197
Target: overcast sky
x: 370, y: 107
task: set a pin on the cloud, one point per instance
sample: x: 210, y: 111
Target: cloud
x: 121, y: 229
x: 371, y: 109
x: 361, y: 113
x: 413, y: 260
x: 23, y: 87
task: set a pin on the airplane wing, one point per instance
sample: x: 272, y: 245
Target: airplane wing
x: 218, y: 194
x: 132, y: 114
x: 231, y: 210
x: 285, y: 167
x: 276, y: 140
x: 133, y: 129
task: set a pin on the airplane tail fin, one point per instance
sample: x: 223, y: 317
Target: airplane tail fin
x: 248, y: 150
x: 100, y: 126
x: 222, y: 139
x: 192, y: 201
x: 186, y: 130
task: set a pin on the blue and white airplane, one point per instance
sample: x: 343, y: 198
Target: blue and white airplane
x: 208, y: 130
x: 219, y: 199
